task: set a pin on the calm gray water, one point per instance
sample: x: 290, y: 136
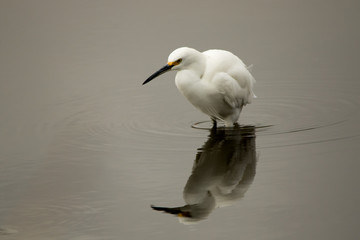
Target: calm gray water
x: 85, y: 149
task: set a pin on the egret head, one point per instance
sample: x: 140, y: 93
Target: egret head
x: 183, y: 57
x: 179, y: 59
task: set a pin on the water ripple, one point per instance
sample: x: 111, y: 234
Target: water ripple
x: 106, y: 119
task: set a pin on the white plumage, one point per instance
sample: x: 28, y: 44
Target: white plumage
x: 216, y: 82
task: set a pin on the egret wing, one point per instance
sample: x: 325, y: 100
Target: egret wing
x: 245, y: 80
x: 230, y: 89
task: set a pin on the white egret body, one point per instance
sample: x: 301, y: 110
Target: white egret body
x: 216, y: 82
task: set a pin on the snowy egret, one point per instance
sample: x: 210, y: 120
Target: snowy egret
x: 216, y: 82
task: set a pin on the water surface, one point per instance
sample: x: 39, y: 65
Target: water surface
x: 85, y: 149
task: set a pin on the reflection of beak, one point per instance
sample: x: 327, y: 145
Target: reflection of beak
x: 162, y: 70
x: 176, y: 211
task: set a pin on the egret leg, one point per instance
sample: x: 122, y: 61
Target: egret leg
x: 213, y: 130
x: 214, y: 124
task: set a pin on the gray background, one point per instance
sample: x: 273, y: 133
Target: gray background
x: 85, y: 149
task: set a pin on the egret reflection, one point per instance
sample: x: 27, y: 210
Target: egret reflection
x: 223, y: 171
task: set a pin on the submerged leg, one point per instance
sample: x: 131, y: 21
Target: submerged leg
x: 214, y: 124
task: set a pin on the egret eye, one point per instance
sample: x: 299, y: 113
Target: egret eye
x: 178, y: 61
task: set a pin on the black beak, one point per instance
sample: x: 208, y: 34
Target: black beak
x: 162, y: 70
x: 175, y: 211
